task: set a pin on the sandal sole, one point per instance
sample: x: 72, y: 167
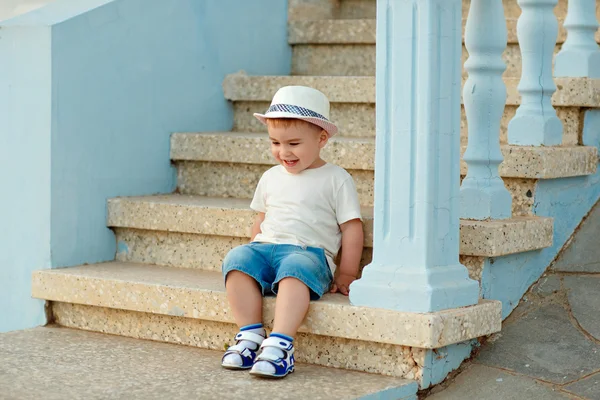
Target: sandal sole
x: 268, y: 376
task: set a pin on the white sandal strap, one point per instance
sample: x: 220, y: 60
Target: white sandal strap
x: 267, y: 357
x: 279, y: 343
x: 238, y: 348
x: 250, y: 336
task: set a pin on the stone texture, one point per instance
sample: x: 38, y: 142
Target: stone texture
x: 201, y: 295
x: 352, y: 119
x: 584, y: 299
x: 501, y: 237
x: 485, y: 383
x: 543, y: 345
x: 357, y: 9
x: 359, y: 154
x: 582, y: 254
x: 386, y: 359
x: 252, y: 148
x: 358, y: 120
x: 546, y: 162
x: 588, y: 388
x: 213, y: 179
x: 355, y: 31
x: 474, y: 266
x: 571, y: 92
x: 182, y: 250
x: 522, y: 192
x: 59, y: 363
x: 333, y: 60
x: 575, y: 92
x: 358, y: 59
x: 233, y: 217
x: 546, y: 285
x: 348, y: 9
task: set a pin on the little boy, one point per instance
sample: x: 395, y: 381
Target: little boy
x: 306, y: 209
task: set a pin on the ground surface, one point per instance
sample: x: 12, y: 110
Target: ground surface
x: 549, y: 348
x: 60, y: 363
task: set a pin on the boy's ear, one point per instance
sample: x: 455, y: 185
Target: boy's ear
x: 323, y: 138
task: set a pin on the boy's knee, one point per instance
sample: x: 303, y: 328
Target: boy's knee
x: 240, y: 255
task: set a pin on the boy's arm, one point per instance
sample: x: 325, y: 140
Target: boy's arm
x: 352, y: 247
x: 260, y: 217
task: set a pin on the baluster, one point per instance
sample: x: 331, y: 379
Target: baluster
x: 580, y: 54
x: 415, y: 264
x: 482, y: 193
x: 536, y: 123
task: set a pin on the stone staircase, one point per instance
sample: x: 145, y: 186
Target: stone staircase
x: 165, y: 283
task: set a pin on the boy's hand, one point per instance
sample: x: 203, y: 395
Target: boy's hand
x: 342, y: 284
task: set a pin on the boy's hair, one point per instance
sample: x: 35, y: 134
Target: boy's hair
x: 289, y: 122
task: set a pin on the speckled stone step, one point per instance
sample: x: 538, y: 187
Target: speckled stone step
x: 571, y: 92
x: 54, y: 362
x: 353, y: 102
x: 359, y: 60
x: 213, y: 179
x: 347, y: 47
x: 362, y: 31
x: 207, y: 163
x: 226, y: 218
x: 193, y: 302
x: 363, y: 9
x: 359, y: 154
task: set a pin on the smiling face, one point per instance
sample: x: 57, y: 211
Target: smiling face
x: 296, y: 144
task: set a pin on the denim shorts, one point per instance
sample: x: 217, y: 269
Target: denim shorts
x: 269, y: 263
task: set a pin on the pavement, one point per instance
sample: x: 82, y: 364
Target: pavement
x: 54, y: 363
x: 549, y: 347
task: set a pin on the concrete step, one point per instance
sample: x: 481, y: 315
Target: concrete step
x: 353, y: 102
x: 59, y: 363
x: 207, y: 163
x: 362, y: 31
x: 361, y: 9
x: 347, y: 47
x: 190, y: 307
x: 185, y: 228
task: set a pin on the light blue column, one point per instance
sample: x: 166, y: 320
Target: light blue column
x: 536, y: 123
x: 483, y: 194
x: 580, y: 54
x: 415, y: 264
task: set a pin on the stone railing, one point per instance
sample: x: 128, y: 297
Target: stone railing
x: 418, y: 201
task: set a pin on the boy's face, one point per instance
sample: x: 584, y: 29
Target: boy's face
x: 297, y: 147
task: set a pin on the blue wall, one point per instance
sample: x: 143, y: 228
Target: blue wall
x: 122, y: 75
x: 24, y: 172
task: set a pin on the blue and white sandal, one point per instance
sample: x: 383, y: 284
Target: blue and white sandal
x: 277, y: 361
x: 246, y: 354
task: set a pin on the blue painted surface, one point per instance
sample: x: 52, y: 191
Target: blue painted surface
x: 24, y: 173
x: 579, y: 56
x: 119, y: 77
x: 535, y: 122
x: 482, y: 192
x: 440, y: 362
x: 415, y: 264
x: 567, y: 201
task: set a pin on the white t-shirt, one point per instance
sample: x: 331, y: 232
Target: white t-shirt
x: 306, y: 209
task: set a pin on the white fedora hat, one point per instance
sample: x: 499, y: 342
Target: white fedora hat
x: 303, y: 103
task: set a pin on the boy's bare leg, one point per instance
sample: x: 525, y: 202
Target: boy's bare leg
x: 293, y: 299
x: 244, y: 298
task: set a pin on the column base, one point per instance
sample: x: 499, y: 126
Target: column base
x: 481, y: 199
x: 535, y: 130
x: 418, y: 290
x: 577, y: 64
